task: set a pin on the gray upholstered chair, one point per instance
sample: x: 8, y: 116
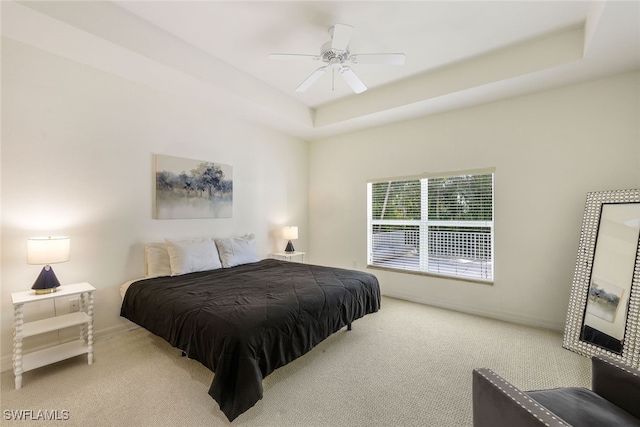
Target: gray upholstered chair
x: 614, y: 400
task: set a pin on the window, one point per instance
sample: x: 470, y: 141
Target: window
x: 439, y: 225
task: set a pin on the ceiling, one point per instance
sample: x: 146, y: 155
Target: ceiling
x: 458, y: 54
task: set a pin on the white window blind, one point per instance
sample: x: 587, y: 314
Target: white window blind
x: 437, y: 225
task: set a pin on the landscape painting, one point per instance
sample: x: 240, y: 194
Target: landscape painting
x: 187, y: 188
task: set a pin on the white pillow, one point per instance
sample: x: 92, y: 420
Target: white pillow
x: 237, y: 250
x: 188, y: 256
x: 157, y: 260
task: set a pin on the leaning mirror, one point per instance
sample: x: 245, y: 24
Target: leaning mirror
x: 604, y: 306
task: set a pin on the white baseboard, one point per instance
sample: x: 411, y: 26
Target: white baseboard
x: 492, y: 314
x: 6, y: 362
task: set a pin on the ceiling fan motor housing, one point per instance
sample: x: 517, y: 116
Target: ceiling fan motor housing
x: 333, y: 56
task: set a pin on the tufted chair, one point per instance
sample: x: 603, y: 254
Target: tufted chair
x: 614, y: 400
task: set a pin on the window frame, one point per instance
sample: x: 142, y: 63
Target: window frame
x: 424, y: 225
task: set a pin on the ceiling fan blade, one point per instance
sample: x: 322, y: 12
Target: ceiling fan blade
x: 292, y: 56
x: 352, y: 80
x: 341, y: 36
x: 377, y: 58
x: 311, y: 79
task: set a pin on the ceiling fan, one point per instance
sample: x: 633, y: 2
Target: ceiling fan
x: 335, y: 53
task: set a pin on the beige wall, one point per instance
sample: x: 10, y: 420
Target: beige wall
x: 77, y: 153
x: 549, y: 149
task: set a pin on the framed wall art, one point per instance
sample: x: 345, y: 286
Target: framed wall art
x: 187, y: 188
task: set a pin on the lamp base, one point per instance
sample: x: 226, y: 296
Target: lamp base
x: 46, y: 282
x: 289, y: 249
x: 45, y: 291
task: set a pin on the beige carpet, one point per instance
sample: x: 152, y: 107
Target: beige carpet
x: 407, y: 365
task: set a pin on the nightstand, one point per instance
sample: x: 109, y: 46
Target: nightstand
x: 288, y: 256
x: 27, y: 362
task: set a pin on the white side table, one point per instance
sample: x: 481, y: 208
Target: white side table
x: 288, y: 256
x: 23, y: 363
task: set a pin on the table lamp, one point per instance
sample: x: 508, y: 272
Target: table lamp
x: 290, y: 233
x: 47, y: 250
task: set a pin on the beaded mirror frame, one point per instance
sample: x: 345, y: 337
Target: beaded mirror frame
x: 573, y: 337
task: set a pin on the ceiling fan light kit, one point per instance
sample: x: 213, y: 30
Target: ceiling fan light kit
x: 335, y: 53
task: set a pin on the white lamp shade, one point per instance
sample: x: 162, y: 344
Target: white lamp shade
x: 290, y: 233
x: 48, y: 250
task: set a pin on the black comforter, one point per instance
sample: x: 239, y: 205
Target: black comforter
x: 244, y: 322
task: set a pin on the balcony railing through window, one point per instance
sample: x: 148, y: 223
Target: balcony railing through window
x: 450, y: 250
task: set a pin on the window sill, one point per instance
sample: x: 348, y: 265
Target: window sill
x: 439, y: 276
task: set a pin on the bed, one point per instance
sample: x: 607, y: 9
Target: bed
x: 244, y: 321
